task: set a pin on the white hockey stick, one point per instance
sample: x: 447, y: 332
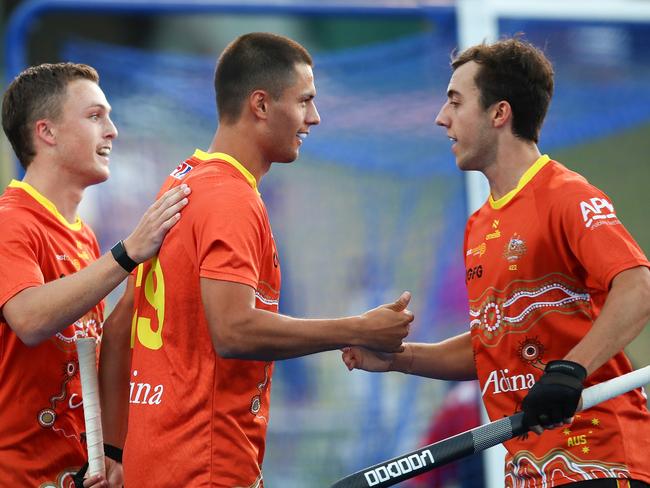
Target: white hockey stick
x: 391, y: 472
x: 86, y: 350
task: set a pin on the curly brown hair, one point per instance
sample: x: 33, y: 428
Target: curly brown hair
x: 519, y: 73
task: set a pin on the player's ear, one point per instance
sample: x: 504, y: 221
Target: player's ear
x: 45, y: 131
x: 259, y: 103
x: 501, y: 113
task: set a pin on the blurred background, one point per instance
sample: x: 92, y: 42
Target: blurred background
x: 375, y: 204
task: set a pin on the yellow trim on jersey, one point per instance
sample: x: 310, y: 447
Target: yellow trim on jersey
x: 49, y: 206
x: 527, y: 176
x: 204, y: 156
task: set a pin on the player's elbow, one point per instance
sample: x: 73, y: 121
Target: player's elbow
x: 643, y: 288
x: 28, y: 318
x: 32, y: 340
x: 226, y: 348
x: 27, y: 331
x: 233, y: 339
x: 229, y: 347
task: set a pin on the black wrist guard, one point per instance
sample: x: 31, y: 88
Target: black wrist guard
x: 556, y: 395
x: 119, y: 253
x: 112, y: 452
x: 78, y: 477
x: 566, y: 368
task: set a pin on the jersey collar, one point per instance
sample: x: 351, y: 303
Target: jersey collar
x: 523, y: 181
x: 204, y: 156
x: 49, y: 206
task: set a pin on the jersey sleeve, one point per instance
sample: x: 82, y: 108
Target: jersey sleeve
x: 228, y: 234
x: 596, y: 236
x: 19, y: 266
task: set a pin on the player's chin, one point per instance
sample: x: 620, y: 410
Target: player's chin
x: 463, y: 165
x: 99, y: 176
x: 288, y: 158
x: 103, y: 175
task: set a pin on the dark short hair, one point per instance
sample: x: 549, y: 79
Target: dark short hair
x: 515, y: 71
x: 37, y: 93
x: 255, y: 61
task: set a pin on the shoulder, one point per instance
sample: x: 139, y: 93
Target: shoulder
x: 475, y: 216
x: 16, y: 214
x: 88, y: 233
x: 478, y: 216
x: 222, y: 203
x: 212, y: 184
x: 562, y: 187
x: 569, y: 195
x: 10, y: 201
x: 560, y: 180
x: 20, y: 231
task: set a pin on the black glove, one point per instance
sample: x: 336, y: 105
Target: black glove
x: 556, y: 395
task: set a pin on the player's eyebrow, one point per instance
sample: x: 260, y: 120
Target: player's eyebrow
x: 99, y: 105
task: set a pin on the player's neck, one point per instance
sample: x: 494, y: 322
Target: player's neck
x: 57, y: 188
x: 509, y: 166
x: 231, y: 140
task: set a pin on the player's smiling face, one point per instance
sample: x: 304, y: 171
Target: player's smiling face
x: 292, y: 115
x: 467, y: 122
x: 84, y: 133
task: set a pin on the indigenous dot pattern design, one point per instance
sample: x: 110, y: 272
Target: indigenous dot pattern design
x: 520, y: 305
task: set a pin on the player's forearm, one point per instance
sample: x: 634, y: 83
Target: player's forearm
x: 36, y: 314
x: 623, y: 317
x: 239, y: 330
x: 452, y: 359
x: 265, y: 336
x: 115, y: 371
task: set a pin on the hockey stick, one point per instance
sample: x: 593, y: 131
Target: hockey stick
x: 391, y: 472
x: 86, y: 350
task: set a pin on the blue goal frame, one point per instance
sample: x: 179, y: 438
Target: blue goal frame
x: 23, y: 18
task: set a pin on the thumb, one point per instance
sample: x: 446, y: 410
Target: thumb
x: 348, y: 358
x: 401, y: 303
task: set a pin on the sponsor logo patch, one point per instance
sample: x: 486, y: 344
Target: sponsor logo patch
x: 496, y: 234
x: 502, y: 381
x: 478, y: 250
x: 181, y: 170
x: 143, y: 393
x: 598, y: 211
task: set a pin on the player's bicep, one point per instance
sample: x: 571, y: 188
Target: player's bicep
x: 227, y: 305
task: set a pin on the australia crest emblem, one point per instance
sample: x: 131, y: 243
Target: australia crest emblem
x: 514, y: 249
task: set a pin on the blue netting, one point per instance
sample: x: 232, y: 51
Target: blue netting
x: 602, y: 72
x: 386, y: 124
